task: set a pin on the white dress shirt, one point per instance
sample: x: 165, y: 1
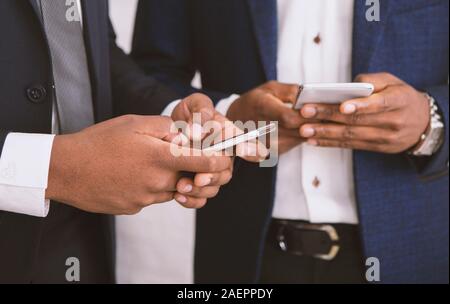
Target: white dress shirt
x: 314, y: 45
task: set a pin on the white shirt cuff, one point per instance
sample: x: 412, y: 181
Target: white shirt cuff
x: 169, y: 109
x: 221, y: 107
x: 24, y: 167
x: 224, y: 104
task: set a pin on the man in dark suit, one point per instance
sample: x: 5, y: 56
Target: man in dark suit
x: 383, y: 193
x: 60, y: 71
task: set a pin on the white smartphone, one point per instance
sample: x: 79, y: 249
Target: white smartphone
x: 332, y: 93
x: 242, y: 138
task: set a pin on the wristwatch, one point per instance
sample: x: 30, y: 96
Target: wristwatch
x: 433, y: 138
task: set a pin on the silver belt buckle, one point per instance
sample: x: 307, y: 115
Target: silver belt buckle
x: 328, y: 229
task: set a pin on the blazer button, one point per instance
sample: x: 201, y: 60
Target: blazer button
x: 36, y: 94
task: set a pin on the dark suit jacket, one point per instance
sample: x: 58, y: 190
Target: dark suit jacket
x: 403, y: 203
x: 34, y: 249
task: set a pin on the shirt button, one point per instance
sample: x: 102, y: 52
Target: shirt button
x: 316, y: 182
x: 317, y: 39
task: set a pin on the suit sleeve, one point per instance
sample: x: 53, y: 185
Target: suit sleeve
x: 133, y: 91
x: 163, y: 45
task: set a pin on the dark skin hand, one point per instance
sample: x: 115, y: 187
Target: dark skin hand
x: 196, y: 192
x: 390, y: 121
x: 122, y: 165
x: 268, y: 103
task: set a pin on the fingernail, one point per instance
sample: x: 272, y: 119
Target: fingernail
x: 250, y: 150
x: 313, y: 142
x: 308, y: 132
x: 309, y: 112
x: 264, y: 153
x: 349, y: 108
x: 181, y: 199
x: 187, y: 189
x: 204, y: 181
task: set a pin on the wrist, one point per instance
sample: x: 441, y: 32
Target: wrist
x: 432, y: 138
x: 60, y: 169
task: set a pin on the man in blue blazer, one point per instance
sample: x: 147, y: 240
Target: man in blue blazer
x: 400, y: 210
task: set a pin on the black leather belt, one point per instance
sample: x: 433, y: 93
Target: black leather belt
x: 321, y: 241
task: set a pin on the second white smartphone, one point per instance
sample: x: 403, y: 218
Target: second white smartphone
x: 332, y: 93
x: 234, y: 141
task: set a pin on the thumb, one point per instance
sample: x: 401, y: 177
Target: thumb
x: 254, y: 152
x: 198, y: 109
x: 199, y: 103
x: 379, y: 80
x: 288, y: 93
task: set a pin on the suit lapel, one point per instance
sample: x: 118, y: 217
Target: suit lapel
x: 367, y: 35
x: 91, y: 33
x: 35, y: 6
x: 37, y: 10
x: 264, y: 17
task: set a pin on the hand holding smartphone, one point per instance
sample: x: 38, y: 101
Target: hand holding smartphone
x: 234, y: 141
x: 327, y: 93
x: 332, y: 93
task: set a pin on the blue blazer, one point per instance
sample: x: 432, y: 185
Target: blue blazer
x: 402, y: 202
